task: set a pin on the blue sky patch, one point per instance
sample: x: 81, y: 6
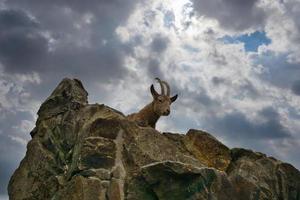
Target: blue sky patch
x: 251, y: 41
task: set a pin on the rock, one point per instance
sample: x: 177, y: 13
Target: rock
x: 81, y: 188
x: 34, y: 177
x: 118, y: 172
x: 116, y: 190
x: 105, y: 184
x: 146, y: 145
x: 68, y: 95
x: 207, y: 149
x: 101, y: 173
x: 176, y: 180
x: 260, y: 177
x: 97, y: 152
x: 90, y: 151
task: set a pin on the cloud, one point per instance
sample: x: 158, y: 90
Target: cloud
x: 154, y: 68
x: 64, y: 36
x: 285, y: 40
x: 251, y: 41
x: 4, y: 197
x: 12, y: 144
x: 159, y: 44
x: 235, y: 15
x: 276, y: 69
x: 10, y: 19
x: 236, y: 125
x: 296, y: 87
x: 23, y: 48
x: 218, y: 80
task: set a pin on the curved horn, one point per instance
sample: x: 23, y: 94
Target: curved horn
x: 167, y: 86
x: 153, y: 92
x: 161, y: 86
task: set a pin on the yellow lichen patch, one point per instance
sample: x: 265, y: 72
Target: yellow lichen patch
x: 207, y: 149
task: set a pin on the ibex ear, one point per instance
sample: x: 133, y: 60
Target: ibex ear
x: 153, y: 92
x: 173, y: 98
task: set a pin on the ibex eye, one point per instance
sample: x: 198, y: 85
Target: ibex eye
x: 160, y: 100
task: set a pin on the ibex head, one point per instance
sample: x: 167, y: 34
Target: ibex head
x: 161, y: 102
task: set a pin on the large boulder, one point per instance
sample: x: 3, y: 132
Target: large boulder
x: 256, y: 176
x: 84, y: 151
x: 176, y: 180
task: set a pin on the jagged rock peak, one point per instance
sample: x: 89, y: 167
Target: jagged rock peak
x: 82, y: 151
x: 69, y: 94
x: 72, y: 89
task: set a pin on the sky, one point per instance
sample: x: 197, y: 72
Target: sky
x: 235, y: 65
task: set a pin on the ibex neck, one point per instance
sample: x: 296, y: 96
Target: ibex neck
x: 150, y: 115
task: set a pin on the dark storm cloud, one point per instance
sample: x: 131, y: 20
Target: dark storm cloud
x: 237, y: 125
x: 218, y: 80
x: 11, y: 19
x: 60, y: 16
x: 89, y: 63
x: 159, y: 44
x: 22, y: 46
x: 245, y: 89
x: 154, y: 68
x: 232, y: 14
x: 296, y: 87
x: 117, y: 9
x: 101, y: 57
x: 279, y: 72
x: 91, y: 52
x: 197, y: 101
x: 203, y: 98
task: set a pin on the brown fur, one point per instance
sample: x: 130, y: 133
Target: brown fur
x: 160, y: 106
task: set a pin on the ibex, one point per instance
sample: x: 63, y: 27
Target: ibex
x: 160, y: 106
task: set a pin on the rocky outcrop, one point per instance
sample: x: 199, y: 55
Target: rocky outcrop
x: 84, y: 151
